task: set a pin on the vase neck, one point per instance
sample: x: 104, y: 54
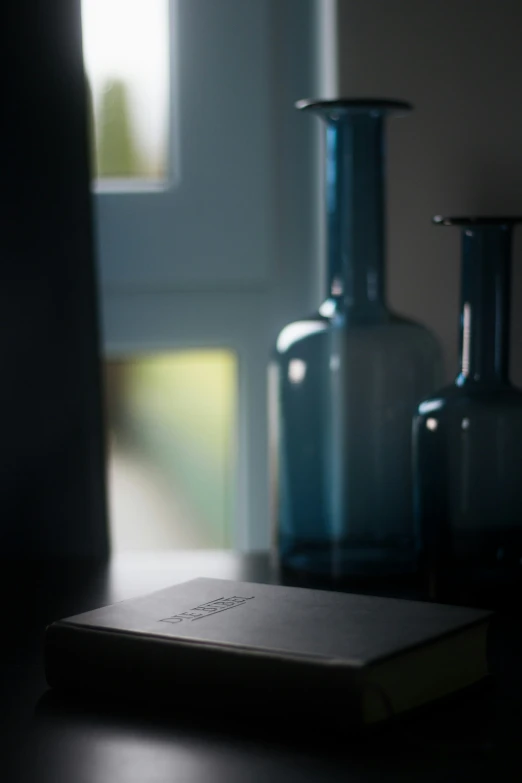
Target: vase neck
x: 485, y: 305
x: 355, y: 212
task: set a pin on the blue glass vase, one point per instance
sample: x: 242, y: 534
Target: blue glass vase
x: 345, y: 382
x: 468, y: 436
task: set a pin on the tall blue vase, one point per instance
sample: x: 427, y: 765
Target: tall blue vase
x: 345, y: 382
x: 468, y: 436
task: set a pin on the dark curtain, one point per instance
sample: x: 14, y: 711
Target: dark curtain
x: 51, y: 438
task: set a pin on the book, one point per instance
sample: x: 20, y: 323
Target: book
x: 383, y: 656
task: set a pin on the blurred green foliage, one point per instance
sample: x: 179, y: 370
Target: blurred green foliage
x: 117, y: 153
x: 178, y: 412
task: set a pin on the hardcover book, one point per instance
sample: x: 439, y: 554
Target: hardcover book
x: 383, y: 656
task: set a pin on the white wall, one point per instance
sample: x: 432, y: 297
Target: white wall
x: 460, y: 152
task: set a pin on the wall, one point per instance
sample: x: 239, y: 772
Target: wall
x: 460, y: 63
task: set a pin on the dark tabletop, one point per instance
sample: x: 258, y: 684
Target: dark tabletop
x: 475, y: 736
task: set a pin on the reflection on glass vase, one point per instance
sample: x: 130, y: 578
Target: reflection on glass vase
x: 468, y: 436
x: 345, y: 382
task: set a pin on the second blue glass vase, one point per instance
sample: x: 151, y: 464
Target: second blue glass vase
x: 346, y: 381
x: 468, y: 437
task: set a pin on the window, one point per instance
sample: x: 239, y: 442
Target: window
x: 214, y: 252
x: 172, y: 440
x: 126, y: 51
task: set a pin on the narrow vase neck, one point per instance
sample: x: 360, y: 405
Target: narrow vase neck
x: 485, y: 305
x: 355, y: 212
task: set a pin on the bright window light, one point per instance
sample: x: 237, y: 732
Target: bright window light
x: 171, y: 420
x: 126, y: 54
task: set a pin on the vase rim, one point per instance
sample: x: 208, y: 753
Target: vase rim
x: 477, y: 220
x: 342, y: 106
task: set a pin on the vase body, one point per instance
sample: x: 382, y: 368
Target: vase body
x: 345, y: 382
x: 468, y: 437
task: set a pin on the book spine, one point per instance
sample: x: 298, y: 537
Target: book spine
x: 137, y: 667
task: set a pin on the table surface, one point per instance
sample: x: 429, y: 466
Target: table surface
x: 475, y: 736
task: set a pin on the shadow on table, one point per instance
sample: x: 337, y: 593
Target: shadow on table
x: 301, y: 721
